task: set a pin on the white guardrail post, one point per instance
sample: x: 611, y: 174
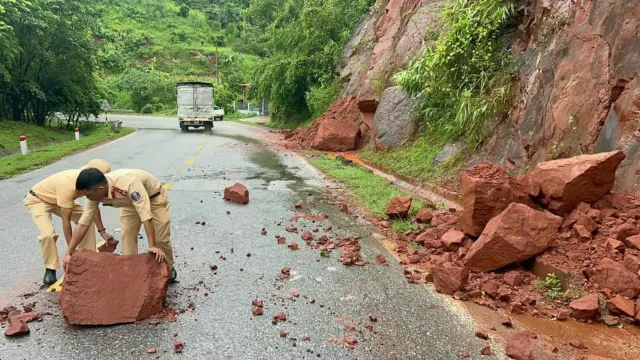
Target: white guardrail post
x: 23, y: 145
x: 77, y: 134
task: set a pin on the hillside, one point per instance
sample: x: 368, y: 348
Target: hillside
x: 146, y: 46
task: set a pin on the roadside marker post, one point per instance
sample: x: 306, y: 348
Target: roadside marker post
x: 77, y: 134
x: 23, y: 145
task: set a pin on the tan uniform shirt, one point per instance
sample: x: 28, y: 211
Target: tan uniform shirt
x: 127, y: 188
x: 58, y: 189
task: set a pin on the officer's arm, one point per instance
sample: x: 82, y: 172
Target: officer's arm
x: 140, y: 201
x: 66, y: 224
x: 88, y: 215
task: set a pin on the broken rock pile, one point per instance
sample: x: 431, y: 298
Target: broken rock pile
x: 104, y: 288
x: 561, y: 223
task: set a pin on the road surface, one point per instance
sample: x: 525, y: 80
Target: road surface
x: 413, y: 321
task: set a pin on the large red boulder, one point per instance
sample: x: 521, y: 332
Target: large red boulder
x: 585, y: 308
x: 237, y: 193
x: 615, y: 276
x: 520, y: 346
x: 336, y: 134
x: 515, y: 235
x: 398, y: 207
x: 448, y: 279
x: 486, y: 191
x: 565, y: 183
x: 105, y: 288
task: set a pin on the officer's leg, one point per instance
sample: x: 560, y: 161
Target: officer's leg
x: 41, y: 214
x: 130, y: 224
x: 162, y: 226
x: 89, y: 240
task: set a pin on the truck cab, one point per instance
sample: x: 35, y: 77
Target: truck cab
x: 195, y: 105
x: 218, y: 113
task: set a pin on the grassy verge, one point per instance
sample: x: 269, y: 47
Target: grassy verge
x: 416, y: 160
x: 15, y: 164
x: 370, y: 190
x: 37, y: 136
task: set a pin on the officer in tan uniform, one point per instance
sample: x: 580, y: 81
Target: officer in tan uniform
x: 143, y: 201
x: 56, y: 195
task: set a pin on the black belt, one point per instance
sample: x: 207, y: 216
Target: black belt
x: 34, y: 194
x: 155, y: 195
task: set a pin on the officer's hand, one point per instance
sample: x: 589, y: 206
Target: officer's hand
x: 106, y: 236
x: 67, y: 258
x: 160, y: 256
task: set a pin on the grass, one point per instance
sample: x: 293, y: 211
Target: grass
x: 402, y: 226
x: 37, y: 136
x: 372, y: 191
x: 16, y: 164
x: 552, y: 288
x: 416, y: 160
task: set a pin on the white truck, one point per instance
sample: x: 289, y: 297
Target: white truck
x: 195, y: 105
x: 218, y: 113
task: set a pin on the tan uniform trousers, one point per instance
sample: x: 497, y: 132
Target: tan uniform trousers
x: 41, y: 214
x: 130, y: 224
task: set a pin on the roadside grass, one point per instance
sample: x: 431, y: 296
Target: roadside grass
x: 370, y: 190
x: 416, y: 160
x: 17, y: 163
x: 37, y: 136
x: 402, y: 226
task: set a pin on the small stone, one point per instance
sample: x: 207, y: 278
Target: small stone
x: 513, y: 278
x: 306, y: 236
x: 293, y: 246
x: 151, y: 350
x: 581, y: 232
x: 586, y: 308
x: 520, y: 346
x: 213, y: 267
x: 611, y: 320
x: 263, y: 232
x: 507, y: 322
x: 298, y: 206
x: 578, y: 344
x: 283, y: 334
x: 482, y: 334
x: 279, y: 317
x: 294, y: 292
x: 486, y: 350
x: 177, y: 346
x: 615, y: 244
x: 248, y: 254
x: 373, y: 318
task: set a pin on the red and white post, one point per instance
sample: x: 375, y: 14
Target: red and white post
x: 77, y: 134
x: 23, y: 145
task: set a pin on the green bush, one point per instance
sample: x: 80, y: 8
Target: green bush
x: 465, y: 77
x: 147, y: 109
x: 319, y: 98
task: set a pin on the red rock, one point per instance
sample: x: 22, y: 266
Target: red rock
x: 581, y: 233
x: 294, y: 292
x: 257, y: 310
x: 516, y: 308
x: 515, y: 235
x: 109, y: 246
x: 448, y: 280
x: 452, y: 240
x: 279, y: 317
x: 131, y: 288
x: 291, y: 229
x: 343, y: 207
x: 531, y: 187
x: 306, y: 236
x: 611, y: 320
x: 424, y: 216
x: 633, y: 242
x: 578, y: 344
x: 513, y: 278
x: 565, y: 183
x: 614, y: 276
x: 398, y: 207
x: 482, y: 334
x: 381, y: 259
x: 263, y: 232
x: 237, y: 193
x: 298, y: 206
x: 632, y: 262
x: 171, y: 317
x: 293, y: 246
x: 152, y: 350
x: 281, y: 240
x: 177, y: 346
x: 622, y: 306
x: 586, y: 308
x: 595, y: 215
x: 506, y: 323
x: 336, y: 134
x: 520, y: 346
x: 257, y: 302
x: 306, y: 338
x: 486, y: 191
x: 373, y: 318
x: 563, y: 315
x: 283, y: 334
x: 486, y: 350
x: 464, y: 355
x: 615, y: 244
x: 17, y: 328
x: 491, y: 288
x: 623, y: 231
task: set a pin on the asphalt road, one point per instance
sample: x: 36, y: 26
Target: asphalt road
x: 413, y: 321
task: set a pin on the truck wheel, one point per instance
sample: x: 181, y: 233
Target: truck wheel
x: 208, y: 127
x: 183, y: 128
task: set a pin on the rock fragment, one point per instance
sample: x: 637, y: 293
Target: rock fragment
x: 237, y: 193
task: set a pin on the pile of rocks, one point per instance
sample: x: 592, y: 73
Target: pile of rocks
x: 562, y: 219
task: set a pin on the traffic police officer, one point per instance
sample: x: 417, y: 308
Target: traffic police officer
x: 143, y: 201
x: 56, y: 195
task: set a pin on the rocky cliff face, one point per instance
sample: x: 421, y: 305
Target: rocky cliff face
x: 578, y: 88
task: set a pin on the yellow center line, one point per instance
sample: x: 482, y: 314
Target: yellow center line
x: 190, y: 161
x: 167, y: 186
x: 193, y: 159
x: 200, y: 148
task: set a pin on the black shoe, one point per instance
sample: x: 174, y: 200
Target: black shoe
x: 174, y: 275
x: 50, y: 277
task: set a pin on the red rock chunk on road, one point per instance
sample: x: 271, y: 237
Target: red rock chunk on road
x: 448, y: 280
x: 486, y: 191
x: 336, y: 134
x: 520, y: 346
x: 105, y: 288
x: 515, y: 235
x: 398, y: 207
x: 237, y: 193
x: 452, y: 240
x: 622, y: 306
x: 18, y: 323
x: 614, y: 276
x: 424, y: 216
x: 586, y: 308
x: 565, y: 183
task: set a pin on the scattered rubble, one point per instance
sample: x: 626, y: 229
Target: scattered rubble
x: 398, y: 207
x: 520, y: 346
x: 18, y: 322
x: 279, y: 317
x: 237, y: 193
x: 177, y: 346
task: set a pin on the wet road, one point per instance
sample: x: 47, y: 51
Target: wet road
x: 413, y: 322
